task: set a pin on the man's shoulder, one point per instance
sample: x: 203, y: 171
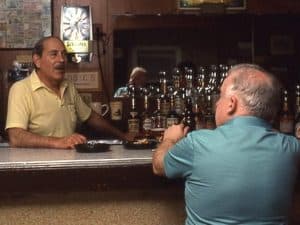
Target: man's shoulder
x: 121, y: 92
x: 22, y: 84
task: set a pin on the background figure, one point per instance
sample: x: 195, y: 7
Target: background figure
x: 137, y: 78
x: 242, y: 172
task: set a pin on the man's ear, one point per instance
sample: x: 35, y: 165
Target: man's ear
x: 36, y: 60
x: 232, y: 105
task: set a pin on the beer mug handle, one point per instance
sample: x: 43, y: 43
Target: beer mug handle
x: 104, y: 107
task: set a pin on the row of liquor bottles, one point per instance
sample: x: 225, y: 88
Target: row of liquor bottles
x: 190, y: 98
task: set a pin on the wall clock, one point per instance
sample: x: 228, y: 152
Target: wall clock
x: 76, y: 31
x: 76, y: 23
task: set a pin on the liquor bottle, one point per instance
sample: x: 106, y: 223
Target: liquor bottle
x: 213, y: 84
x: 179, y: 91
x: 297, y: 112
x: 188, y: 115
x: 209, y: 114
x: 164, y: 98
x: 172, y: 117
x: 199, y: 94
x: 189, y: 81
x: 146, y: 118
x: 286, y: 119
x: 133, y: 118
x: 199, y: 117
x: 223, y: 74
x: 159, y: 122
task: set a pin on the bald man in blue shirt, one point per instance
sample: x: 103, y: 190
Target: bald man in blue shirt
x: 243, y: 172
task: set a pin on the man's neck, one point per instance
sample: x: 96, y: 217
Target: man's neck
x: 53, y: 85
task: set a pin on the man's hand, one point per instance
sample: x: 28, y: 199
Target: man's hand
x: 175, y: 133
x: 70, y: 141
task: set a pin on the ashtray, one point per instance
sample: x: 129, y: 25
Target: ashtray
x: 92, y: 147
x: 149, y: 144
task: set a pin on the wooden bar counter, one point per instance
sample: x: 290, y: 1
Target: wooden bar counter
x: 53, y: 186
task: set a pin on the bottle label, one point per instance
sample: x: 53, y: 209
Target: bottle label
x: 171, y: 121
x: 165, y: 108
x: 297, y: 130
x: 147, y: 124
x: 179, y: 105
x: 133, y: 126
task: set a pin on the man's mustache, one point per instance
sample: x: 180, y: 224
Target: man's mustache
x: 60, y: 66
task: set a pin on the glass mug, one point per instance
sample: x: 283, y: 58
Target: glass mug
x: 100, y: 108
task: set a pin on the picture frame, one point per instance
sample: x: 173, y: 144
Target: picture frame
x: 85, y: 81
x: 23, y: 23
x: 234, y: 5
x: 237, y: 5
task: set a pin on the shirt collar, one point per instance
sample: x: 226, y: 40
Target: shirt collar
x: 36, y: 83
x: 250, y: 121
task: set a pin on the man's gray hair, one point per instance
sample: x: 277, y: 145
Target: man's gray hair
x: 261, y: 96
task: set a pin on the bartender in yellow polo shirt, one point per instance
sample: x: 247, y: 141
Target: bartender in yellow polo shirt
x: 44, y: 108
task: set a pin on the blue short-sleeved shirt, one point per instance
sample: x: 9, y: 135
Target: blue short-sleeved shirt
x: 242, y: 172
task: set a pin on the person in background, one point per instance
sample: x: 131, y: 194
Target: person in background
x: 243, y: 172
x: 137, y: 78
x: 44, y: 108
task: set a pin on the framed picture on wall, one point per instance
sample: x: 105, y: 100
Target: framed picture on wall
x: 196, y: 4
x: 237, y: 5
x: 23, y: 23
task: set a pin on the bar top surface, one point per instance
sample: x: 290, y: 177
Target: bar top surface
x: 43, y: 159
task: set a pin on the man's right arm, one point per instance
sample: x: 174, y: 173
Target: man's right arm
x: 19, y: 137
x: 171, y: 136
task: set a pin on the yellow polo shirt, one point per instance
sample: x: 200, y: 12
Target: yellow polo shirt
x: 36, y: 108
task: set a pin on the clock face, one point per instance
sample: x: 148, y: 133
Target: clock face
x: 76, y: 23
